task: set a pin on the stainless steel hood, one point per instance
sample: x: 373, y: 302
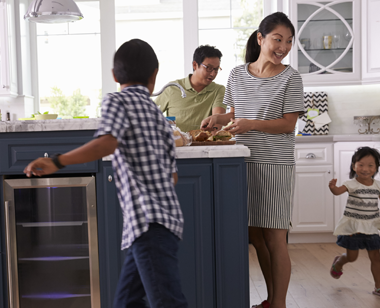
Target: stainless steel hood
x: 53, y: 11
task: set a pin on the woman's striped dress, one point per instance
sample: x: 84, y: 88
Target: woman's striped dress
x: 271, y: 166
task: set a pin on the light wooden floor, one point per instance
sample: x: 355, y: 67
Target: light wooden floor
x: 311, y: 285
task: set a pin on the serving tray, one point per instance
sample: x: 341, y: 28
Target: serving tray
x: 196, y: 143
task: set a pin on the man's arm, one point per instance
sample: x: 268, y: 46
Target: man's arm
x: 93, y: 150
x: 218, y: 110
x: 162, y: 101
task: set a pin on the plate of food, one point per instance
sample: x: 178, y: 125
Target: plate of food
x: 201, y: 137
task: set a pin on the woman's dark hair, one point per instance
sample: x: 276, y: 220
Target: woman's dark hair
x: 267, y: 25
x: 134, y: 61
x: 206, y: 51
x: 363, y: 152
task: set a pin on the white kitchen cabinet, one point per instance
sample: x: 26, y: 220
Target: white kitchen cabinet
x: 313, y: 202
x: 8, y: 61
x: 327, y: 48
x: 343, y: 152
x: 371, y: 45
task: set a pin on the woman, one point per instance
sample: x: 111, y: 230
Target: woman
x: 266, y: 98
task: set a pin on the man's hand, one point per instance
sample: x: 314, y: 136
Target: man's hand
x: 40, y: 166
x: 209, y: 123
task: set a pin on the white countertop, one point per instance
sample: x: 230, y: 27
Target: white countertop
x: 48, y: 125
x: 210, y: 151
x: 337, y: 138
x: 92, y: 124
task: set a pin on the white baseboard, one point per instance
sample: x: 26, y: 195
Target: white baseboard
x: 298, y: 238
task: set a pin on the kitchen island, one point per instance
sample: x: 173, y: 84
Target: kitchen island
x: 212, y: 192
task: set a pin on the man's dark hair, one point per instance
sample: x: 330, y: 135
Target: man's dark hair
x: 206, y: 51
x: 134, y: 61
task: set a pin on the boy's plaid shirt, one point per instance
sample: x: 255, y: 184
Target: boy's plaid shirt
x: 143, y: 162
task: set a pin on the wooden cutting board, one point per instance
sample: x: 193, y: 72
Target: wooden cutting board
x: 195, y: 143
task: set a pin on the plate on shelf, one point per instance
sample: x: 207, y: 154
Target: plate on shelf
x: 46, y: 116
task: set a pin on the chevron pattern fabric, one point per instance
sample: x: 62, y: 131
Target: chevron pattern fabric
x: 315, y: 100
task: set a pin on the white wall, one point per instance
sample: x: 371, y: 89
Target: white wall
x: 345, y: 102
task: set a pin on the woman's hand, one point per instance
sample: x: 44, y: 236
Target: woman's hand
x: 239, y: 126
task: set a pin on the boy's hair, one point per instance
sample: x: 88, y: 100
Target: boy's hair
x: 363, y: 152
x: 206, y: 51
x: 134, y: 61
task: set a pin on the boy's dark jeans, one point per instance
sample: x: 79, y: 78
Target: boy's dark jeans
x: 151, y: 268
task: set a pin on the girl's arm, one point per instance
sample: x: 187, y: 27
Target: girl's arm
x: 335, y: 189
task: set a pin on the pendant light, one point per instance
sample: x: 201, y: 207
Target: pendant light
x: 53, y: 11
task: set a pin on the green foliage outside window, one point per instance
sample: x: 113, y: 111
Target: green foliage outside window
x: 247, y: 23
x: 67, y: 106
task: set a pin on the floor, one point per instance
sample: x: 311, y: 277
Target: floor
x: 311, y: 285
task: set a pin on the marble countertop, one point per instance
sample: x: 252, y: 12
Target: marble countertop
x: 49, y: 125
x: 210, y: 151
x: 92, y: 124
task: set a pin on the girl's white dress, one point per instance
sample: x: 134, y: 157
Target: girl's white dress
x: 361, y: 214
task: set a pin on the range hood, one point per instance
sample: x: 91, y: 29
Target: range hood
x: 53, y: 11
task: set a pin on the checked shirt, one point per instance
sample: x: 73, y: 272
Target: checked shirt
x: 143, y: 162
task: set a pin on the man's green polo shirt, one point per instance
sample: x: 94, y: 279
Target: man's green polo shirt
x: 191, y: 110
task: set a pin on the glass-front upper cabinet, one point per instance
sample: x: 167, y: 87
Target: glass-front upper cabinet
x: 326, y: 48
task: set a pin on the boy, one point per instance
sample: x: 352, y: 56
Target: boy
x: 134, y: 130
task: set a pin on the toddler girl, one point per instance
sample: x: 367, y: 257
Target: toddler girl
x: 360, y: 224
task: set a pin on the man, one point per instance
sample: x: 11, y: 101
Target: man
x: 203, y: 96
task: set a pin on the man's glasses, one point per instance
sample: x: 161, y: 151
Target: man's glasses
x: 210, y: 69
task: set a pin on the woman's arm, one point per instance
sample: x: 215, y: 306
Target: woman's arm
x: 285, y: 125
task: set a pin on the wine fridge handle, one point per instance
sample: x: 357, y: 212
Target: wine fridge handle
x: 10, y: 271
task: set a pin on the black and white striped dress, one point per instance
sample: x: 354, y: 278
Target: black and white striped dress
x: 271, y: 166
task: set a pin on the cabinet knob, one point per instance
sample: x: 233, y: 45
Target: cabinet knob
x: 46, y: 155
x: 110, y: 178
x: 4, y: 86
x: 311, y: 156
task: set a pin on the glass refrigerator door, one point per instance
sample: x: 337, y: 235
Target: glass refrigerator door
x: 325, y: 38
x: 52, y: 243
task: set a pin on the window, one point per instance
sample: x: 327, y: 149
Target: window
x: 69, y: 70
x: 159, y: 23
x: 227, y: 25
x: 74, y: 60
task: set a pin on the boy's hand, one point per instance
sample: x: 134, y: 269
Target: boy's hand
x: 40, y: 166
x: 332, y: 183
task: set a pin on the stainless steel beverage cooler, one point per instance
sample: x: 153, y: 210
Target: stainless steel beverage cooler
x: 52, y: 245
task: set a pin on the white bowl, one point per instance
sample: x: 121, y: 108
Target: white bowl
x: 46, y: 116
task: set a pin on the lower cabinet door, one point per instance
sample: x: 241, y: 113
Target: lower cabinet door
x: 110, y: 225
x: 313, y: 202
x: 196, y: 253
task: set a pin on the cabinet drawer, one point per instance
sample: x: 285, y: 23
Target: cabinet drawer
x: 16, y: 154
x: 314, y: 154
